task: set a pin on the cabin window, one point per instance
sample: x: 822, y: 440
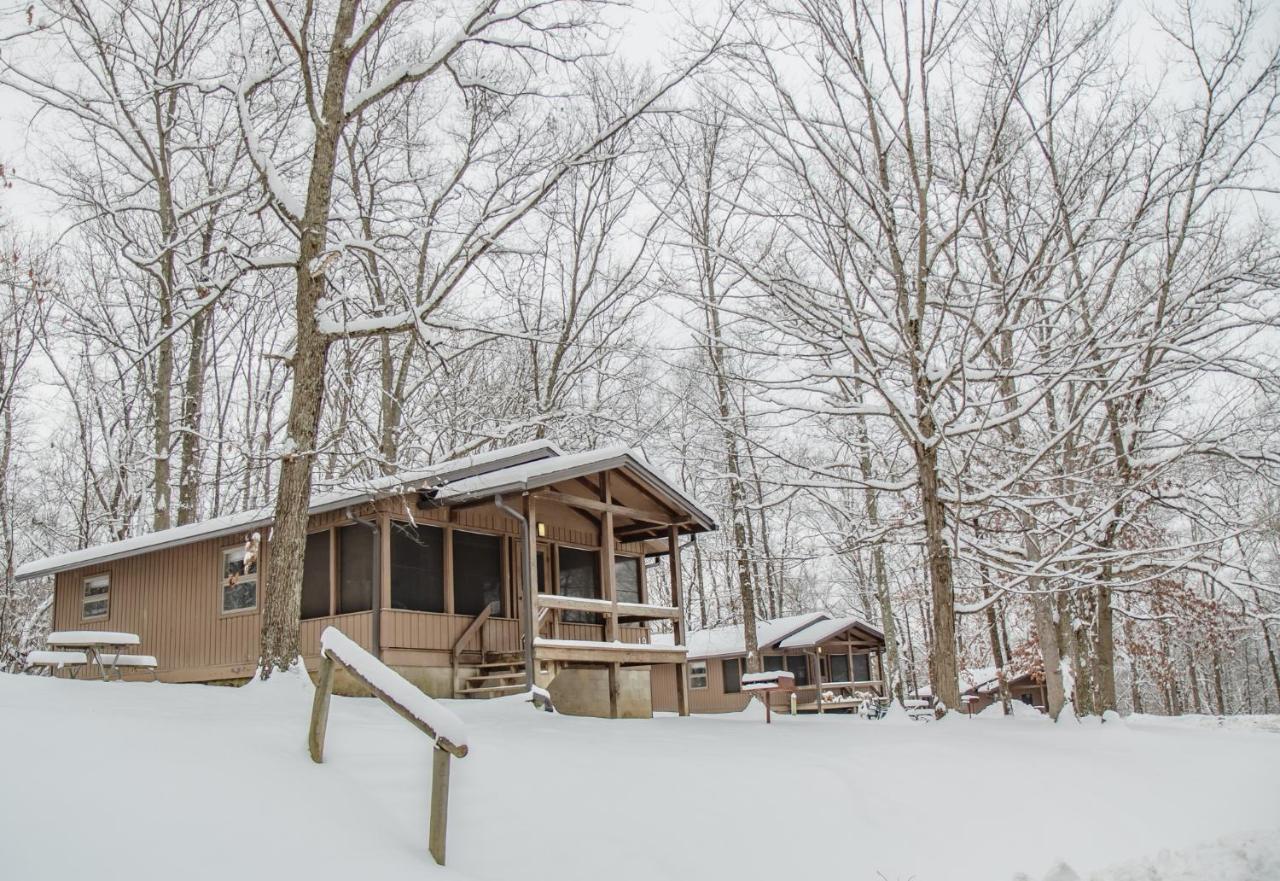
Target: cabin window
x: 731, y: 671
x: 97, y: 597
x: 796, y: 664
x: 355, y: 568
x: 698, y: 674
x: 477, y: 572
x: 417, y: 567
x: 838, y: 668
x: 861, y: 668
x: 580, y: 577
x: 315, y: 576
x: 240, y: 577
x: 626, y: 579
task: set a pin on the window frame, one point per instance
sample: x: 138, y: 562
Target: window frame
x: 705, y: 676
x: 223, y: 611
x: 638, y: 562
x: 84, y: 600
x: 736, y: 679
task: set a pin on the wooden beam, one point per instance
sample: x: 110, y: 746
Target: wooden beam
x: 604, y: 607
x: 607, y: 653
x: 602, y: 507
x: 448, y: 570
x: 677, y: 601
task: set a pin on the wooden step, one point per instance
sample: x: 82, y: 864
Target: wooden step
x: 514, y: 674
x: 489, y: 665
x: 491, y: 690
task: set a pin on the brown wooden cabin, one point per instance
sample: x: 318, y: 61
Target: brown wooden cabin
x: 984, y: 689
x: 426, y: 570
x: 836, y: 657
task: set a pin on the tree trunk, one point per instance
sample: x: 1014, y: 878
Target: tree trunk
x: 943, y: 664
x: 192, y: 411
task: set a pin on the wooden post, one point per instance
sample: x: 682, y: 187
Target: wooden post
x: 447, y: 566
x: 817, y: 678
x: 529, y: 538
x: 320, y: 708
x: 677, y: 600
x: 439, y: 803
x: 609, y: 586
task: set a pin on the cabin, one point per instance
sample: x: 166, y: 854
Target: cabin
x: 459, y: 576
x: 836, y: 661
x: 982, y: 689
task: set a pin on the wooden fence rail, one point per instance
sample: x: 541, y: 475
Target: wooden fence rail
x: 382, y: 681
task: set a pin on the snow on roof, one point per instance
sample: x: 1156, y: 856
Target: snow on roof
x: 729, y: 640
x: 331, y: 499
x: 821, y: 631
x: 532, y: 475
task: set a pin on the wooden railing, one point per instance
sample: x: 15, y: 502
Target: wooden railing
x: 605, y: 607
x: 476, y: 626
x: 336, y: 649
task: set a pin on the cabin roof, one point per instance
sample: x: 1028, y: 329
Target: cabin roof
x: 727, y: 641
x: 512, y: 469
x: 820, y: 631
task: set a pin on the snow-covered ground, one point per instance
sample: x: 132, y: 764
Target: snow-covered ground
x: 150, y: 781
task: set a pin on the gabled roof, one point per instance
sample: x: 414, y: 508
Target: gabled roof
x: 727, y: 641
x: 821, y: 631
x: 510, y: 470
x: 534, y: 475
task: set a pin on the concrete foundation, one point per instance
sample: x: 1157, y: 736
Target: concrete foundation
x: 584, y: 691
x: 435, y: 681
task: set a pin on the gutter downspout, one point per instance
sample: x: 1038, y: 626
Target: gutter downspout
x: 526, y: 604
x: 375, y: 586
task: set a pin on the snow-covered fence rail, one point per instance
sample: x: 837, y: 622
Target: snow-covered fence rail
x: 435, y: 720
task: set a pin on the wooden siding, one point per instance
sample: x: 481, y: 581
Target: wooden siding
x: 171, y: 597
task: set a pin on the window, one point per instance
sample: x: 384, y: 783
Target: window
x: 698, y: 674
x: 240, y: 576
x: 355, y: 568
x: 417, y: 567
x: 796, y: 664
x: 477, y: 572
x: 839, y: 668
x: 626, y: 579
x: 580, y: 577
x: 97, y: 597
x: 315, y: 576
x: 861, y: 668
x: 731, y: 671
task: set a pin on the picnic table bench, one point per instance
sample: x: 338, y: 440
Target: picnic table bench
x: 77, y: 649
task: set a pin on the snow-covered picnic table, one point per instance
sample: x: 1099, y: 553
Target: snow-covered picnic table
x: 101, y: 647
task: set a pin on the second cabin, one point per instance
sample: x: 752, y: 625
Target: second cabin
x: 431, y: 571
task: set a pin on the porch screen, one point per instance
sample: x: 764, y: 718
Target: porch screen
x: 355, y: 569
x: 417, y: 567
x: 477, y: 572
x: 795, y: 663
x: 315, y: 576
x: 732, y: 675
x: 839, y: 668
x: 861, y: 668
x: 580, y: 577
x: 626, y: 579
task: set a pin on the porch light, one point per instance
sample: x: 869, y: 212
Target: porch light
x: 542, y: 529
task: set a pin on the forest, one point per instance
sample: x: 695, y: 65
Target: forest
x: 961, y: 315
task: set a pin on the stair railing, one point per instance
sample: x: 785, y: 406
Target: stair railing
x: 476, y: 626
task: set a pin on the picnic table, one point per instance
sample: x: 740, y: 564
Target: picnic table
x: 103, y: 648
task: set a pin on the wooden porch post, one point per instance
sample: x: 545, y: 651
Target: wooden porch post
x: 817, y: 677
x: 609, y: 586
x: 529, y: 540
x: 677, y: 600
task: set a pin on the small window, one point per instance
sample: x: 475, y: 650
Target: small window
x: 97, y: 597
x: 240, y: 576
x: 838, y: 670
x: 698, y: 674
x: 626, y: 579
x: 861, y: 668
x: 731, y: 670
x: 580, y: 577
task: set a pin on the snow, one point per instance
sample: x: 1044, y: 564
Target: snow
x: 728, y: 640
x: 220, y: 786
x: 439, y: 718
x: 56, y: 659
x: 820, y: 631
x: 92, y: 637
x: 770, y: 676
x: 251, y: 519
